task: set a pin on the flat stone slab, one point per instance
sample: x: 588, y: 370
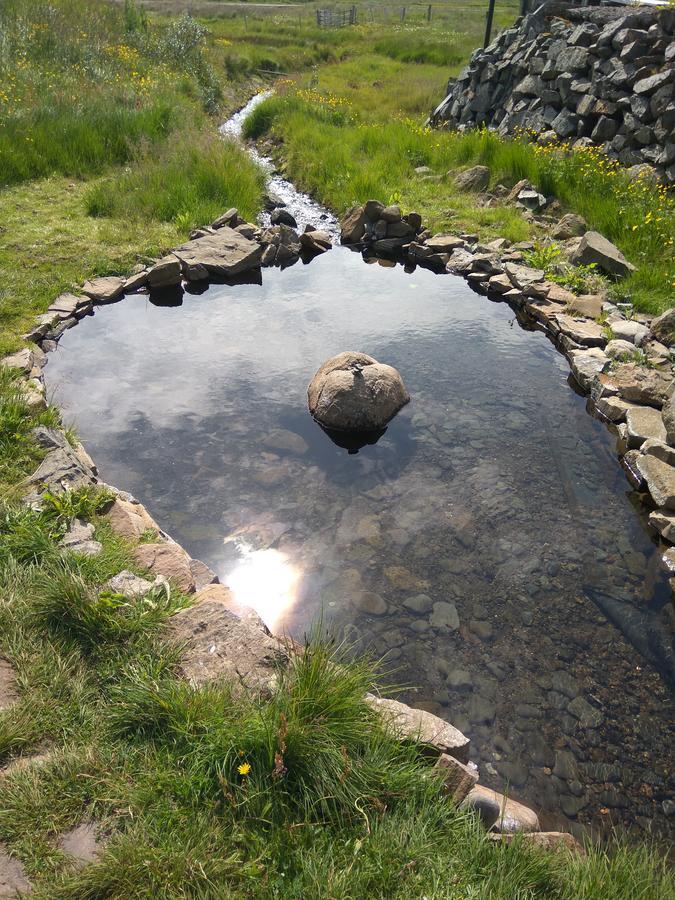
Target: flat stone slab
x: 169, y: 560
x: 104, y: 290
x: 509, y: 816
x: 422, y: 727
x: 582, y: 331
x: 224, y: 253
x: 22, y: 360
x: 586, y: 365
x: 641, y: 385
x: 8, y: 691
x: 444, y: 243
x: 614, y: 408
x: 82, y: 844
x: 589, y: 305
x: 644, y: 422
x: 660, y: 478
x: 13, y: 881
x: 544, y: 840
x: 63, y: 467
x: 220, y: 645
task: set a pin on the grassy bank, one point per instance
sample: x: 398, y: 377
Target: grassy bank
x: 108, y: 147
x: 347, y: 141
x: 208, y: 793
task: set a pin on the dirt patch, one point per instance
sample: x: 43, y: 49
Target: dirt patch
x: 8, y: 691
x: 13, y: 881
x: 82, y: 843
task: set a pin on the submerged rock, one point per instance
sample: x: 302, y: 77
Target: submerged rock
x: 354, y: 392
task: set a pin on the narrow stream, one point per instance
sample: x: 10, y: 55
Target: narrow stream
x: 304, y: 210
x: 488, y: 545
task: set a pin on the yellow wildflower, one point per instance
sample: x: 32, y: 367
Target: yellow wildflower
x: 244, y: 769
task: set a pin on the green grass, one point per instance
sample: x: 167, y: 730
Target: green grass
x: 333, y: 148
x: 191, y: 181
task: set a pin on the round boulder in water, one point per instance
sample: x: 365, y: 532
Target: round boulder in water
x: 353, y: 392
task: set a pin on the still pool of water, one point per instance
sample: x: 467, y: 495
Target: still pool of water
x: 488, y: 543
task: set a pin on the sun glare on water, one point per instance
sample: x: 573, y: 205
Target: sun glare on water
x: 267, y: 581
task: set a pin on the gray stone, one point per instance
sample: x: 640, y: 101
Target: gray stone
x: 663, y: 327
x: 125, y: 582
x: 460, y: 680
x: 420, y: 603
x: 613, y: 408
x: 202, y: 574
x: 663, y: 520
x: 391, y: 214
x: 482, y: 710
x: 652, y: 83
x: 224, y: 254
x: 476, y: 178
x: 79, y: 539
x: 616, y: 348
x: 641, y: 385
x: 62, y: 469
x: 512, y: 817
x: 104, y: 290
x: 444, y: 615
x: 596, y: 249
x: 445, y: 243
x: 218, y: 644
x: 586, y: 364
x: 582, y: 331
x: 644, y: 422
x: 660, y: 478
x: 354, y: 392
x: 628, y: 330
x: 659, y: 449
x: 164, y: 273
x: 570, y: 225
x: 458, y: 778
x: 588, y: 716
x: 281, y: 216
x: 286, y: 441
x: 22, y: 361
x: 421, y: 726
x: 668, y: 414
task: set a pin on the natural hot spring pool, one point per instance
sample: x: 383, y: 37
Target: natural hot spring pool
x: 487, y: 543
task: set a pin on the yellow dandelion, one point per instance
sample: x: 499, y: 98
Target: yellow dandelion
x: 244, y: 769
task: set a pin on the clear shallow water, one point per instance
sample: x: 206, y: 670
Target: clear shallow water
x: 488, y: 543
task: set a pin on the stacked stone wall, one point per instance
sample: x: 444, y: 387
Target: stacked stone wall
x: 594, y: 75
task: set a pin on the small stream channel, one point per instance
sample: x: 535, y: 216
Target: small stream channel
x: 488, y: 544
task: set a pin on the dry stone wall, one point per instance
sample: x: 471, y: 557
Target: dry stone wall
x: 594, y: 75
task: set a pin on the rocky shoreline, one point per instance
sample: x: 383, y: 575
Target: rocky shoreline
x: 223, y: 639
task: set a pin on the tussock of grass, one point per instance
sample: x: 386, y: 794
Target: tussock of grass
x: 191, y: 181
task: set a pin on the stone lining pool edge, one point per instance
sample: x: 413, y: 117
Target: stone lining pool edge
x: 232, y: 249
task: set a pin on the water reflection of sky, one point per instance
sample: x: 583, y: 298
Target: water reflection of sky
x: 493, y: 500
